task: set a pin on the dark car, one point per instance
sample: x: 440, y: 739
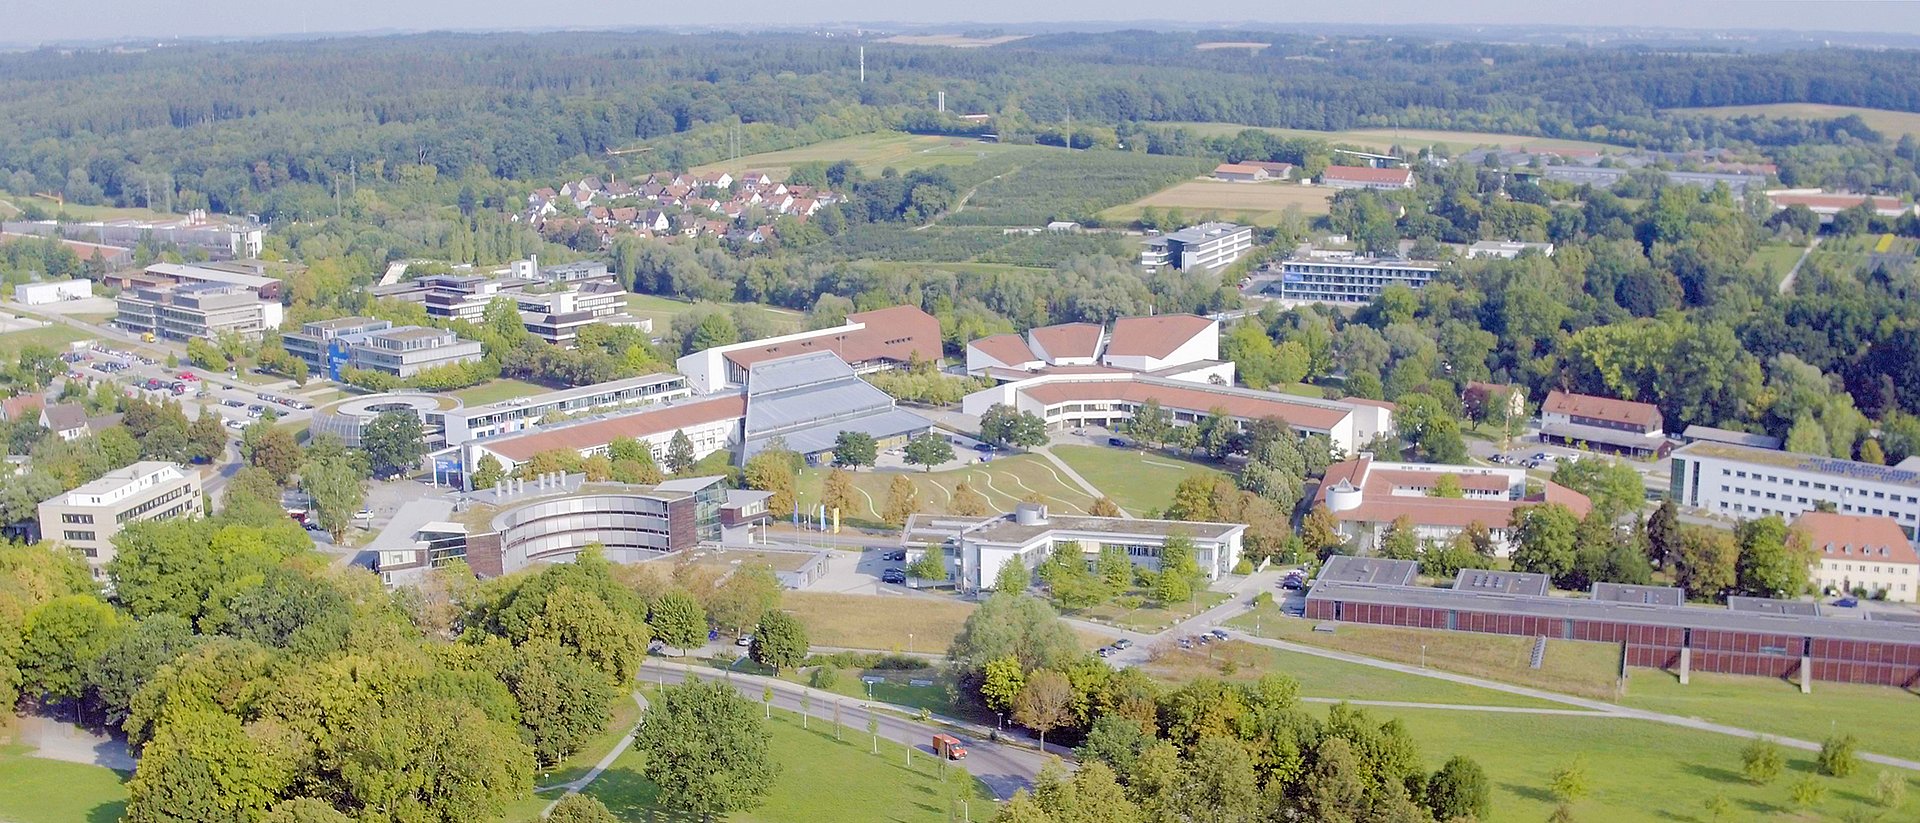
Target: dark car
x: 1186, y: 642
x: 896, y: 576
x: 1846, y: 602
x: 1117, y: 441
x: 1219, y: 634
x: 983, y: 447
x: 894, y: 555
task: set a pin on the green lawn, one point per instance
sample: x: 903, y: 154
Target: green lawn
x: 896, y: 686
x: 626, y: 713
x: 34, y: 790
x: 662, y: 310
x: 498, y: 389
x: 1638, y: 770
x: 1149, y: 618
x: 56, y: 337
x: 856, y: 621
x: 1141, y: 482
x: 1003, y: 481
x: 1322, y: 677
x: 1776, y: 706
x: 1571, y: 667
x: 823, y: 779
x: 1776, y: 259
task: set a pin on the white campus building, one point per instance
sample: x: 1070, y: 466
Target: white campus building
x: 979, y: 546
x: 1746, y: 483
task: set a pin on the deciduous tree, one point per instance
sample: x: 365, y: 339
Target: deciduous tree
x: 1045, y: 703
x: 203, y: 766
x: 837, y: 493
x: 929, y: 450
x: 967, y: 502
x: 854, y: 449
x: 771, y: 471
x: 677, y: 620
x: 394, y: 442
x: 706, y: 748
x: 779, y: 641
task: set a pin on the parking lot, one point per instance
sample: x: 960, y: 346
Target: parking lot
x: 140, y: 375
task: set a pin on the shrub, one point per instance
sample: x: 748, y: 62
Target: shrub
x: 1243, y: 567
x: 1837, y: 758
x: 1129, y: 601
x: 824, y: 678
x: 1263, y: 599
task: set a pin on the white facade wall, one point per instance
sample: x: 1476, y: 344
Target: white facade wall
x: 1745, y: 490
x: 707, y: 438
x: 1900, y: 581
x: 1202, y: 346
x: 34, y: 294
x: 978, y: 361
x: 706, y: 370
x: 981, y: 562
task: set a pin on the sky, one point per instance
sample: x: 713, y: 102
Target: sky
x: 39, y: 21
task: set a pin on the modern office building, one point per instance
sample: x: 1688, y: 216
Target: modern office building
x: 1860, y: 553
x: 711, y: 423
x: 1603, y: 424
x: 977, y: 547
x: 1654, y: 626
x: 88, y: 517
x: 1206, y: 246
x: 401, y: 351
x: 807, y: 400
x: 348, y: 419
x: 1367, y: 497
x: 204, y: 311
x: 1108, y: 398
x: 315, y: 342
x: 557, y: 314
x: 870, y: 341
x: 551, y: 519
x: 1746, y: 483
x: 1349, y: 279
x: 522, y: 413
x: 465, y: 297
x: 1506, y: 249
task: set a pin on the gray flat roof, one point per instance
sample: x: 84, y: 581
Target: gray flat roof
x: 1372, y: 570
x: 1758, y: 441
x: 1580, y: 608
x: 563, y: 395
x: 815, y: 439
x: 1598, y: 434
x: 1494, y: 580
x: 1667, y: 596
x: 1763, y: 605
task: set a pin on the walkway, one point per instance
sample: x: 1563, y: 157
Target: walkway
x: 1067, y: 470
x: 55, y: 740
x: 1786, y: 283
x: 574, y: 786
x: 1004, y: 768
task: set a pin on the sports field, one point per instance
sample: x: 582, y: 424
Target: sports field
x: 873, y: 152
x: 1259, y: 204
x: 1889, y: 123
x: 56, y: 337
x: 1004, y: 482
x: 1141, y: 482
x: 1383, y: 139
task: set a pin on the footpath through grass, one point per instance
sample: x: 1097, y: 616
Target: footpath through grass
x: 1141, y: 482
x: 37, y: 790
x: 1886, y: 720
x: 1321, y: 677
x: 1638, y: 770
x: 1571, y: 667
x: 822, y: 779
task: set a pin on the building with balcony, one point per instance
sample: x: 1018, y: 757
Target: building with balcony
x: 1206, y: 246
x: 1321, y: 278
x: 401, y: 351
x: 522, y: 413
x: 189, y: 311
x: 88, y: 517
x: 1747, y: 483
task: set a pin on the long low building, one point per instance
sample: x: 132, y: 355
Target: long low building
x: 1746, y: 483
x: 523, y: 413
x: 1109, y: 399
x: 1652, y: 624
x: 980, y: 546
x: 711, y: 423
x: 869, y: 341
x: 1144, y: 344
x: 806, y: 401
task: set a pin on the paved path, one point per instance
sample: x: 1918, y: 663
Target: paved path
x: 1786, y: 283
x: 55, y: 740
x: 1003, y: 768
x: 1067, y: 470
x: 1460, y: 707
x: 574, y: 786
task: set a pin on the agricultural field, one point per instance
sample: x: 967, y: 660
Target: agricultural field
x: 36, y: 790
x: 1258, y: 204
x: 1891, y: 124
x: 1384, y: 139
x: 1776, y: 706
x: 1140, y: 482
x: 1031, y: 189
x: 1638, y: 770
x: 820, y: 779
x: 1570, y: 667
x: 874, y: 152
x: 1004, y: 482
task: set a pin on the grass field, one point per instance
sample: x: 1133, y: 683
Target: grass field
x: 1889, y: 123
x: 1259, y: 204
x: 1150, y: 618
x: 626, y: 713
x: 1776, y: 706
x: 662, y: 310
x: 1638, y: 770
x: 1775, y: 259
x: 498, y: 389
x: 858, y: 621
x: 1140, y: 483
x: 874, y: 152
x: 56, y: 337
x: 1320, y: 677
x: 821, y: 779
x: 1383, y: 139
x: 33, y: 790
x: 1004, y: 482
x: 1571, y: 667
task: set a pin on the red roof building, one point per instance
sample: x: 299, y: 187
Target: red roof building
x: 1366, y: 177
x: 1367, y: 496
x: 869, y: 341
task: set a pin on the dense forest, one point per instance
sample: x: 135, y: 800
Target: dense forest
x: 277, y: 128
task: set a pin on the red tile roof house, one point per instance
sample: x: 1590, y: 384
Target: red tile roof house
x: 869, y: 341
x: 1857, y: 552
x: 1240, y: 173
x: 1367, y: 496
x: 1365, y: 177
x: 1603, y: 424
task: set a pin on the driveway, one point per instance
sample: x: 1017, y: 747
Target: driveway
x: 1003, y: 768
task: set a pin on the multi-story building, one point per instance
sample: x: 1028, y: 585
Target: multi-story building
x: 1861, y: 553
x: 1603, y: 424
x: 1506, y: 249
x: 88, y: 517
x: 465, y: 297
x: 404, y: 351
x: 1745, y: 483
x: 323, y: 343
x: 1367, y: 496
x: 711, y: 424
x: 1161, y: 342
x: 979, y: 546
x: 558, y: 315
x: 1349, y: 279
x: 1206, y: 246
x: 870, y: 341
x: 522, y: 413
x: 202, y: 311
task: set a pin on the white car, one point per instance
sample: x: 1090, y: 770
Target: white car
x: 363, y: 514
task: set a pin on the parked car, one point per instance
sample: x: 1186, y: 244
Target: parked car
x: 1106, y: 651
x: 984, y: 447
x: 896, y: 576
x: 187, y: 375
x: 894, y: 555
x: 743, y: 640
x: 234, y: 404
x: 1123, y: 644
x: 1219, y: 634
x: 1186, y: 642
x: 1846, y: 602
x: 1117, y: 441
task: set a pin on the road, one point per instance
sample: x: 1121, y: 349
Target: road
x: 1003, y: 768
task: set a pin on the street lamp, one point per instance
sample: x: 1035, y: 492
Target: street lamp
x: 909, y: 642
x: 1423, y: 655
x: 1003, y: 719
